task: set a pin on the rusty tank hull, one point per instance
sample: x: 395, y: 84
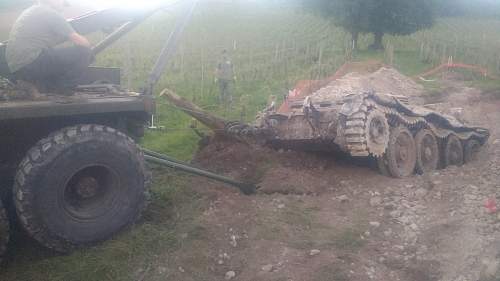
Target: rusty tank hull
x: 403, y: 137
x: 370, y: 112
x: 360, y: 124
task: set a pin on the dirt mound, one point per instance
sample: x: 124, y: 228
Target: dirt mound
x: 270, y: 169
x: 385, y: 80
x: 235, y: 159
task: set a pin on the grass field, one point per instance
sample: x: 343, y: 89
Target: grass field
x: 271, y: 47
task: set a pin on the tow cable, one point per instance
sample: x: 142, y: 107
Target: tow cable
x: 167, y: 161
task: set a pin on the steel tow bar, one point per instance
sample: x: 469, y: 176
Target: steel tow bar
x: 164, y: 160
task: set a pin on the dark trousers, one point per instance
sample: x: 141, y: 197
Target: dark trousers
x: 225, y: 90
x: 57, y: 69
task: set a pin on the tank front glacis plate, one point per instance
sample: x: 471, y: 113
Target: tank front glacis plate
x: 321, y: 125
x: 351, y: 104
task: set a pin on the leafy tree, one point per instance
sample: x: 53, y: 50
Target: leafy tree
x: 397, y: 17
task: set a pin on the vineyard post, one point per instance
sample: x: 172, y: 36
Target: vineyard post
x: 307, y: 53
x: 182, y: 61
x: 421, y: 57
x: 128, y: 62
x: 250, y: 63
x: 320, y: 58
x: 455, y: 53
x: 276, y: 52
x: 202, y: 60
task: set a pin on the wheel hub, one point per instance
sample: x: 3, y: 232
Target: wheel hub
x: 427, y: 153
x: 403, y: 154
x: 87, y: 187
x: 376, y: 133
x: 90, y: 192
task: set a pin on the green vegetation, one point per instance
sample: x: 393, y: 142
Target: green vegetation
x: 396, y: 17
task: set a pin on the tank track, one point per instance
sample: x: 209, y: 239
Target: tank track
x: 356, y: 123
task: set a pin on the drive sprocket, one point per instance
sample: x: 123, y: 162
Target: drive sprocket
x: 377, y: 133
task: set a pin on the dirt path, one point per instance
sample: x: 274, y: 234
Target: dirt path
x: 325, y: 218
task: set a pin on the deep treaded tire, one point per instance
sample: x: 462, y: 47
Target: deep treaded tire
x: 80, y: 186
x: 4, y: 232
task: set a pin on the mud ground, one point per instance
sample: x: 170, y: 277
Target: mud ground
x: 327, y: 217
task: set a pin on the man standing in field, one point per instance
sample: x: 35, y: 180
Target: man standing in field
x: 33, y: 53
x: 224, y: 74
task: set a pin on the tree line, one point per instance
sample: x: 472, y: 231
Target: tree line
x: 395, y: 17
x: 468, y: 8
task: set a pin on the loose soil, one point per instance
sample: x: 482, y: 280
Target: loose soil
x: 365, y: 226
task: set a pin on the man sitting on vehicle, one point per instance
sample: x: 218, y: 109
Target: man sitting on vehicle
x: 33, y: 53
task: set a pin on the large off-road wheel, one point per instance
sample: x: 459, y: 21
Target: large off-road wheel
x: 79, y: 186
x: 4, y: 232
x: 427, y: 151
x: 401, y: 153
x: 453, y: 152
x: 471, y: 150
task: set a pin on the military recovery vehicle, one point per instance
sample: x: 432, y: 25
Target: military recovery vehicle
x: 69, y: 165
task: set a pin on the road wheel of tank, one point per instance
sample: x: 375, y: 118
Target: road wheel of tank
x: 401, y: 153
x: 4, y: 232
x: 471, y: 150
x: 377, y: 132
x: 383, y: 166
x: 453, y: 152
x: 427, y: 151
x: 79, y: 186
